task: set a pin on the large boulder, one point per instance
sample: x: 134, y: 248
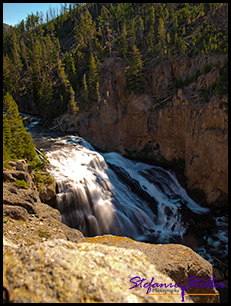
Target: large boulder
x: 177, y: 261
x: 62, y: 271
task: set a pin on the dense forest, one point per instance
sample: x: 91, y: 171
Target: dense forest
x: 54, y: 62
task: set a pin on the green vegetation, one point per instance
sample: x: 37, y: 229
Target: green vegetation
x: 43, y: 180
x: 17, y: 143
x: 21, y: 184
x: 135, y: 78
x: 54, y: 62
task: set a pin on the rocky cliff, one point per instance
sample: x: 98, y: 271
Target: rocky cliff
x: 173, y: 122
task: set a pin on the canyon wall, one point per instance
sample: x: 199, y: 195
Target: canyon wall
x: 165, y: 124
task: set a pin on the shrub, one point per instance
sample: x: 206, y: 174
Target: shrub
x: 21, y: 184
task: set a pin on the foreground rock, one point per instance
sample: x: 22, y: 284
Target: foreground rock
x: 61, y: 271
x: 177, y: 261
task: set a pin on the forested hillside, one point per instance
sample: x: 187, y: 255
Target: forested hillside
x: 54, y: 64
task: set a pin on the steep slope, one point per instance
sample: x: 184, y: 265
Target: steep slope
x: 146, y: 80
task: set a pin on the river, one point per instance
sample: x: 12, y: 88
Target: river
x: 105, y: 193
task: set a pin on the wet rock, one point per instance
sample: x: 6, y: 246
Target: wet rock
x: 62, y: 271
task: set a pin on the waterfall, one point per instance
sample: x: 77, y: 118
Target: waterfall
x: 109, y: 194
x: 105, y: 193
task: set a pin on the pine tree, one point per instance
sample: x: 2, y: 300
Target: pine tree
x: 45, y: 94
x: 98, y: 93
x: 161, y: 35
x: 219, y: 87
x: 175, y: 24
x: 6, y: 139
x: 168, y: 38
x: 24, y: 53
x: 35, y: 81
x: 141, y: 29
x: 93, y: 75
x: 151, y: 17
x: 16, y: 61
x: 150, y: 27
x: 132, y: 32
x: 73, y: 105
x: 69, y: 63
x: 85, y: 88
x: 124, y: 47
x: 135, y: 78
x: 161, y: 31
x: 8, y: 81
x: 85, y: 30
x: 20, y: 144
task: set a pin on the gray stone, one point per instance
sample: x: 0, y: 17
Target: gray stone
x: 62, y: 271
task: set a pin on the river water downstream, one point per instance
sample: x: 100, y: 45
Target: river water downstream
x: 105, y: 193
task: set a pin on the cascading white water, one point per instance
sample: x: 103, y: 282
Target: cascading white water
x: 92, y: 198
x: 109, y: 194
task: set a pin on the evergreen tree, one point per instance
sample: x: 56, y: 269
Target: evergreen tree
x: 85, y: 30
x: 150, y: 27
x: 45, y: 94
x: 161, y: 35
x: 8, y: 81
x: 69, y: 63
x: 151, y: 18
x: 132, y: 32
x: 161, y: 31
x: 85, y: 88
x: 17, y: 143
x: 16, y: 61
x: 219, y: 87
x: 135, y: 78
x: 6, y: 139
x: 73, y: 105
x: 124, y: 42
x: 98, y: 93
x: 175, y: 24
x: 141, y: 29
x: 93, y: 75
x: 24, y: 53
